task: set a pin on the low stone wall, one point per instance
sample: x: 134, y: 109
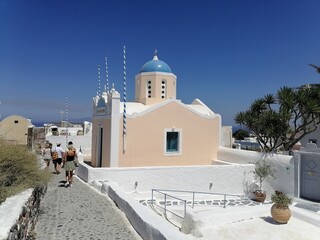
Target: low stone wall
x: 283, y: 166
x: 23, y: 228
x: 232, y: 179
x: 233, y: 175
x: 142, y: 219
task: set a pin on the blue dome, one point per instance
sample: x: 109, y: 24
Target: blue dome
x: 155, y: 65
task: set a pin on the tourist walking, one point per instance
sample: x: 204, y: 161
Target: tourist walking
x: 39, y: 150
x: 57, y: 155
x: 47, y: 155
x: 69, y: 163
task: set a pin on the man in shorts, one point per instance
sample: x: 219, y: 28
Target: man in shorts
x: 57, y: 162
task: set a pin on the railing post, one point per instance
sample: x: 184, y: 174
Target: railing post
x: 185, y: 208
x: 165, y: 204
x: 224, y: 201
x: 152, y: 197
x: 192, y: 199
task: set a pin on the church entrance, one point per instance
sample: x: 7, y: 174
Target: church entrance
x: 100, y: 144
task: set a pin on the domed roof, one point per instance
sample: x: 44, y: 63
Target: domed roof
x: 155, y: 65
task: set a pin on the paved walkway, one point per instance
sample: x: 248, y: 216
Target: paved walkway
x: 80, y: 212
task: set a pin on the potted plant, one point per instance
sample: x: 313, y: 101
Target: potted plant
x: 280, y: 210
x: 261, y: 171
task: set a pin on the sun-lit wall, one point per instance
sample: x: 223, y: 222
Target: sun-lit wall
x: 283, y: 166
x: 155, y: 87
x: 15, y: 129
x: 100, y: 124
x: 220, y: 179
x: 145, y: 143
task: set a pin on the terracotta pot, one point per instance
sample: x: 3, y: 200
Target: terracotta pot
x: 260, y: 196
x: 280, y: 213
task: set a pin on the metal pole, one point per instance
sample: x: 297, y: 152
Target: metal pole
x: 165, y: 204
x: 192, y: 199
x: 224, y: 202
x: 124, y: 133
x: 152, y: 197
x: 67, y: 119
x: 107, y: 75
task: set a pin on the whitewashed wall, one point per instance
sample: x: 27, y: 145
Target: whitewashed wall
x: 235, y: 178
x: 283, y: 166
x: 83, y: 142
x: 224, y: 179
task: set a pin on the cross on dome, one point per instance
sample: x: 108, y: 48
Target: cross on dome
x: 155, y: 57
x: 155, y: 65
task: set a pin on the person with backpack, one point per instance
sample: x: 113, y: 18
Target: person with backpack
x: 57, y: 155
x: 69, y: 165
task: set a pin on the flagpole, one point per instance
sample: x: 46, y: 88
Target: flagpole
x: 124, y: 133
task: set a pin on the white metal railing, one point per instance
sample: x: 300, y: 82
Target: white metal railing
x: 184, y: 201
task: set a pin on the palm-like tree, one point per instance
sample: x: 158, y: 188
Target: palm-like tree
x: 316, y: 67
x: 283, y: 119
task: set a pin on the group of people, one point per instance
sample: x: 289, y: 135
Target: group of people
x: 60, y: 158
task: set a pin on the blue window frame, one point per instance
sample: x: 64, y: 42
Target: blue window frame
x: 172, y: 142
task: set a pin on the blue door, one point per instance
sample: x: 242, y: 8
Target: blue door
x: 310, y: 177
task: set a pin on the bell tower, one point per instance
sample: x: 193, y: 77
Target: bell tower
x: 155, y: 82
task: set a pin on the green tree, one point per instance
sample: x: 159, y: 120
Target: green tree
x: 316, y: 67
x: 283, y: 119
x: 240, y: 134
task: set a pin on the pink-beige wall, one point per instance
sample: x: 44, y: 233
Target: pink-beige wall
x: 156, y: 87
x: 95, y: 124
x: 105, y: 123
x: 146, y: 138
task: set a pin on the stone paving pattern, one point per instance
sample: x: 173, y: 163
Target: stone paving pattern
x: 229, y: 202
x: 79, y: 212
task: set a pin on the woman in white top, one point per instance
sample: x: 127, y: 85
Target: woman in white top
x: 47, y: 155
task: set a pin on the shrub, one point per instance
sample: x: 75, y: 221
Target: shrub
x: 281, y: 199
x: 263, y: 170
x: 19, y: 170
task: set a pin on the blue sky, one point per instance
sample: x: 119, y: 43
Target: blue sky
x: 226, y: 53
